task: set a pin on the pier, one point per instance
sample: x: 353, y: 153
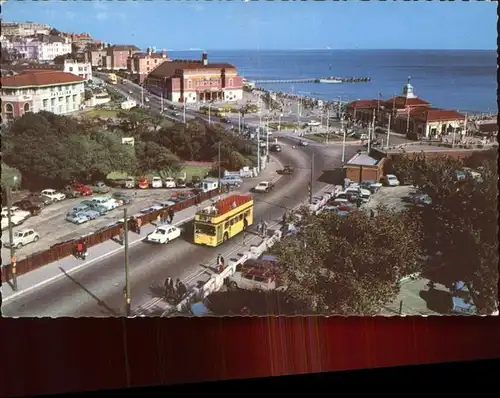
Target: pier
x: 338, y: 80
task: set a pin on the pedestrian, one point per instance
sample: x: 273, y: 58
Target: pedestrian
x: 220, y: 262
x: 259, y: 228
x: 182, y: 290
x: 138, y: 224
x: 171, y: 215
x: 169, y: 287
x: 176, y: 288
x: 84, y: 249
x: 158, y: 219
x: 164, y: 217
x: 264, y: 229
x: 79, y: 250
x: 121, y: 236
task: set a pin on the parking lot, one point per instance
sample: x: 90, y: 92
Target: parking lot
x: 53, y: 228
x: 392, y: 197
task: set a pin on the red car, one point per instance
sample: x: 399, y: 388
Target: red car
x: 143, y: 183
x: 82, y: 189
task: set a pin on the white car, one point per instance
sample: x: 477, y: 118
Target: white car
x: 16, y: 211
x: 23, y: 238
x: 156, y: 182
x: 164, y: 234
x: 391, y: 180
x: 313, y: 123
x: 53, y: 194
x: 264, y: 186
x: 16, y: 220
x: 170, y: 182
x: 108, y: 203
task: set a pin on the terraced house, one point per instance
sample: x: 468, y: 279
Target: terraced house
x: 53, y: 91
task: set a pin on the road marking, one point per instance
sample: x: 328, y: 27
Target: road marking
x: 94, y: 260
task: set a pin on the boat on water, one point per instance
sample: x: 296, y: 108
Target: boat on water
x: 330, y: 80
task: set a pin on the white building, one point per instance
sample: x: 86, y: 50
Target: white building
x: 57, y: 92
x: 43, y: 48
x: 82, y: 69
x: 24, y: 29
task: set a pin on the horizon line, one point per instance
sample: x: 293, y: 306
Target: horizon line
x: 334, y: 49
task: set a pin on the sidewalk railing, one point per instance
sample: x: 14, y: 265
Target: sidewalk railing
x: 65, y: 249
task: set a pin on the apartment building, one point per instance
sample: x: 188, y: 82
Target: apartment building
x: 82, y: 69
x: 52, y: 91
x: 41, y: 48
x: 141, y: 64
x: 112, y: 57
x: 24, y: 28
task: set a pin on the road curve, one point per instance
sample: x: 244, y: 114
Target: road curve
x: 97, y: 290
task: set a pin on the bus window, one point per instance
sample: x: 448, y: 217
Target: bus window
x: 226, y: 225
x: 240, y: 217
x: 205, y: 229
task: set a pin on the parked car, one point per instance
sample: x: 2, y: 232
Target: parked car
x: 129, y: 183
x: 156, y: 182
x: 107, y: 202
x: 77, y: 218
x: 420, y: 198
x: 94, y: 206
x: 15, y: 220
x: 164, y: 234
x: 275, y: 148
x: 231, y: 180
x: 28, y: 205
x: 82, y: 189
x: 303, y: 143
x: 314, y: 123
x: 170, y: 182
x: 256, y: 275
x: 91, y: 214
x: 166, y: 203
x: 23, y: 238
x: 100, y: 187
x: 124, y: 197
x: 373, y: 186
x: 16, y: 211
x: 70, y: 192
x: 181, y: 182
x: 391, y: 180
x: 53, y: 194
x: 79, y: 208
x: 143, y: 183
x: 151, y: 209
x: 38, y: 198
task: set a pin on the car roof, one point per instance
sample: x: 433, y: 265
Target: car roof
x: 22, y: 231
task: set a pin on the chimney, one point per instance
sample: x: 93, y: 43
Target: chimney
x: 204, y: 59
x: 163, y: 53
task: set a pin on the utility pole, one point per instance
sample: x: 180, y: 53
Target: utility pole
x: 344, y: 138
x: 327, y: 125
x: 371, y: 132
x: 298, y: 111
x: 408, y: 122
x: 218, y: 163
x: 127, y: 281
x: 142, y: 96
x: 267, y: 141
x: 161, y: 102
x: 239, y: 122
x: 13, y: 260
x: 184, y: 112
x: 258, y: 149
x: 311, y: 180
x: 388, y: 130
x: 209, y: 119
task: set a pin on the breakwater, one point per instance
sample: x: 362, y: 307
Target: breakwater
x: 336, y: 80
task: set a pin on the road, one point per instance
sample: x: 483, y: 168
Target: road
x: 97, y: 290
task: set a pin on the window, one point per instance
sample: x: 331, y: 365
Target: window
x: 74, y: 97
x: 59, y: 88
x: 9, y: 111
x: 67, y: 99
x: 190, y: 83
x: 230, y: 82
x: 52, y: 102
x: 61, y: 99
x: 45, y: 103
x: 26, y: 107
x: 71, y: 69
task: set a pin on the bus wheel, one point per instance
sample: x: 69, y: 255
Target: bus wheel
x: 226, y: 237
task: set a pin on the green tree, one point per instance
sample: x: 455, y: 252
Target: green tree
x: 350, y: 265
x: 461, y: 225
x: 153, y: 157
x: 8, y: 174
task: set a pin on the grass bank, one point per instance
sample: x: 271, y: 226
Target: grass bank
x: 191, y: 171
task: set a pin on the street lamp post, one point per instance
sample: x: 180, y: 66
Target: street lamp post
x: 344, y: 137
x: 184, y: 112
x: 127, y: 280
x: 13, y: 259
x: 209, y: 119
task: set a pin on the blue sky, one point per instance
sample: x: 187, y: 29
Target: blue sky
x: 263, y: 25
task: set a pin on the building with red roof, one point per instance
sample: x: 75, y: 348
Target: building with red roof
x: 408, y: 114
x: 195, y: 81
x: 33, y: 91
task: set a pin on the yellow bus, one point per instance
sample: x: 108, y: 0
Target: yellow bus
x: 219, y: 222
x: 216, y: 112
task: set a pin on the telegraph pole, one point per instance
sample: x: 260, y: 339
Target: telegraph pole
x: 267, y: 141
x: 239, y: 122
x: 218, y: 163
x: 142, y: 96
x: 258, y: 148
x: 344, y: 137
x: 388, y: 130
x: 209, y: 119
x: 371, y: 132
x: 327, y: 124
x: 127, y: 281
x: 161, y: 97
x: 311, y: 180
x: 184, y: 112
x: 13, y: 260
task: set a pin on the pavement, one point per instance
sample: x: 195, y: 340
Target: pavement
x: 95, y: 288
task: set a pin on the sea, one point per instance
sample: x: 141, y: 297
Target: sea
x: 465, y: 81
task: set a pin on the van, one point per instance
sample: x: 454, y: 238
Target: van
x: 231, y: 180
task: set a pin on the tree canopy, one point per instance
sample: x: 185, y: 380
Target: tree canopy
x: 461, y: 224
x: 47, y: 148
x: 349, y: 265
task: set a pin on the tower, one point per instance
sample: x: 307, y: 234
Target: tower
x: 408, y: 90
x: 204, y: 59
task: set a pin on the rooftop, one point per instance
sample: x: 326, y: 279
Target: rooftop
x: 435, y: 115
x: 39, y: 78
x: 225, y: 205
x: 362, y: 159
x: 168, y: 69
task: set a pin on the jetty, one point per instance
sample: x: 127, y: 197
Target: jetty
x: 339, y: 80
